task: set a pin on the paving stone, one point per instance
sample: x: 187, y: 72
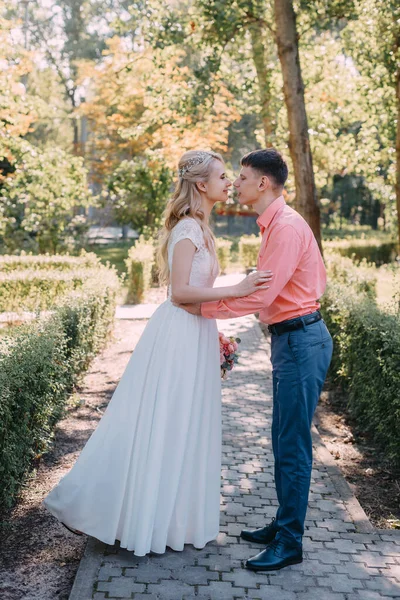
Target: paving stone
x: 386, y: 586
x: 373, y: 559
x: 369, y: 595
x: 331, y: 557
x: 313, y: 568
x: 357, y: 570
x: 219, y: 563
x: 322, y: 593
x: 394, y: 571
x: 271, y: 591
x: 340, y: 582
x: 216, y: 590
x: 170, y: 589
x: 195, y: 575
x: 108, y: 571
x: 345, y: 546
x: 149, y: 573
x: 386, y: 548
x: 244, y: 578
x: 120, y: 587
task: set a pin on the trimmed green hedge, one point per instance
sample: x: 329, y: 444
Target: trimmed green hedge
x: 39, y: 365
x: 140, y: 263
x: 61, y: 262
x: 361, y: 278
x: 371, y: 250
x: 249, y: 246
x: 366, y: 362
x: 33, y: 290
x: 34, y: 283
x: 223, y: 253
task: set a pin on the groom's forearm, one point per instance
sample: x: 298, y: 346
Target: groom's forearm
x: 231, y: 309
x: 278, y: 260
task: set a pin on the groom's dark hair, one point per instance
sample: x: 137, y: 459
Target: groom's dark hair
x: 268, y: 162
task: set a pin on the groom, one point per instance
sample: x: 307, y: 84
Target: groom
x: 301, y: 347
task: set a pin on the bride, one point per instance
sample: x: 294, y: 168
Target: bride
x: 149, y: 476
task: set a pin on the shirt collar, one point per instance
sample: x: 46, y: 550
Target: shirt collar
x: 266, y: 217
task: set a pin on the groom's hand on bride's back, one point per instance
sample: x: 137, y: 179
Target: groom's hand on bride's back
x: 193, y: 309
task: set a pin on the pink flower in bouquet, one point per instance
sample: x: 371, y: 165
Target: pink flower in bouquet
x: 227, y: 353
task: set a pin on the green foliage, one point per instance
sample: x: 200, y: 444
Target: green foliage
x: 224, y: 253
x: 27, y: 285
x: 366, y: 362
x: 361, y: 278
x: 39, y: 365
x: 249, y: 246
x: 370, y: 249
x: 139, y: 263
x: 61, y: 262
x: 38, y: 202
x: 139, y: 189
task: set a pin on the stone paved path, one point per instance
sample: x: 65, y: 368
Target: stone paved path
x: 344, y: 558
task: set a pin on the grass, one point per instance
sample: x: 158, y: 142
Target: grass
x: 114, y: 254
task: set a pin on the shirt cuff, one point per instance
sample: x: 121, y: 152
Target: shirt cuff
x: 208, y: 309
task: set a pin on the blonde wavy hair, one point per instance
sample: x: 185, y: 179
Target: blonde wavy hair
x: 194, y: 166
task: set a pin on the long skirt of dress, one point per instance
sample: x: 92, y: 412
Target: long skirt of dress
x: 149, y: 476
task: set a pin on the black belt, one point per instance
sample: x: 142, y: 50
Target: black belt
x: 293, y: 324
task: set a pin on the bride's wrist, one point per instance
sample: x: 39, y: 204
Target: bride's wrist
x: 231, y: 291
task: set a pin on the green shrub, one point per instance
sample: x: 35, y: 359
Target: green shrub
x: 139, y: 263
x: 371, y: 250
x: 34, y: 290
x: 61, y: 262
x: 362, y: 278
x: 223, y: 253
x: 249, y: 246
x: 39, y: 365
x: 366, y: 362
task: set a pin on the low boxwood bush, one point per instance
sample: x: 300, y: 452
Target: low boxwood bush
x: 61, y: 262
x: 249, y: 246
x: 366, y: 362
x: 362, y: 278
x: 34, y: 283
x: 140, y: 264
x: 223, y: 253
x: 40, y: 364
x: 34, y: 290
x: 371, y: 250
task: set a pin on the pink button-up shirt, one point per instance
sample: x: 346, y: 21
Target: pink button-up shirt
x: 290, y: 251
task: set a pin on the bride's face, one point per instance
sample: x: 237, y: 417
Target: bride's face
x: 218, y: 184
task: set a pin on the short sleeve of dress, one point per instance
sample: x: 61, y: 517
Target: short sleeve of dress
x: 188, y: 228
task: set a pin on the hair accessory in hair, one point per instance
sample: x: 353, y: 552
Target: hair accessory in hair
x: 196, y: 160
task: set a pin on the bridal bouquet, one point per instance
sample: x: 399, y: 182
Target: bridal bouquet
x: 227, y: 353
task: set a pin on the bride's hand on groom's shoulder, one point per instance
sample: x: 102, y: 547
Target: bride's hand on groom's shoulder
x: 252, y: 283
x: 193, y: 309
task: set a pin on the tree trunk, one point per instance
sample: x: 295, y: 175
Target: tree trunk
x: 293, y: 89
x: 397, y: 185
x: 264, y: 79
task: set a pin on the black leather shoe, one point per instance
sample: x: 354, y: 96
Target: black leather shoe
x: 276, y: 555
x: 264, y: 536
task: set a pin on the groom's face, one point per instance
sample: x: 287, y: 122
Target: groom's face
x: 249, y: 185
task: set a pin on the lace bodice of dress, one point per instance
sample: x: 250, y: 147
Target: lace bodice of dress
x: 205, y: 266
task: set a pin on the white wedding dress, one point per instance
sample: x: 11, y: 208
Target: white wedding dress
x: 149, y: 476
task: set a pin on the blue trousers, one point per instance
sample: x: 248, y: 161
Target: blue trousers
x: 300, y: 361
